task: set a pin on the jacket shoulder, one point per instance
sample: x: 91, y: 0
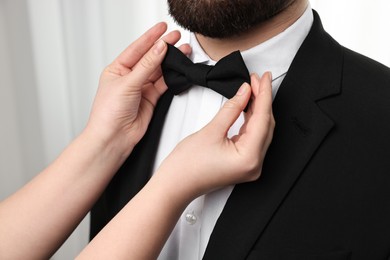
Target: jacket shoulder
x: 364, y: 68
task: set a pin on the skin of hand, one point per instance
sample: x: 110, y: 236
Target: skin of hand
x: 129, y: 89
x: 64, y: 192
x: 208, y: 159
x: 202, y: 162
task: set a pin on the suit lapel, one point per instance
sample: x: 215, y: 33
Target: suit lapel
x: 301, y: 127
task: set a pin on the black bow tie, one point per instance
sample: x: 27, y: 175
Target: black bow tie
x: 226, y: 77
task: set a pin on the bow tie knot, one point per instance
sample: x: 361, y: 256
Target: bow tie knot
x: 197, y: 74
x: 226, y: 77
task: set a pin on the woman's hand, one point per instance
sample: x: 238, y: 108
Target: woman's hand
x: 199, y: 164
x: 208, y: 159
x: 129, y: 89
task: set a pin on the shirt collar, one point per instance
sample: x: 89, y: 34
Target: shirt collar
x: 275, y: 54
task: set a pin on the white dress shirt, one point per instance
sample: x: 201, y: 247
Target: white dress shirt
x: 193, y: 109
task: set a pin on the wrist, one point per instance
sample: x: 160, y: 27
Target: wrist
x: 109, y: 144
x: 178, y: 190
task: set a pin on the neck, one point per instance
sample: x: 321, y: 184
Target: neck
x: 218, y: 48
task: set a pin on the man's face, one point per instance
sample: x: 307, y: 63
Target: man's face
x: 223, y: 18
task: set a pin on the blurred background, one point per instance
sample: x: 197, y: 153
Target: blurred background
x: 52, y: 53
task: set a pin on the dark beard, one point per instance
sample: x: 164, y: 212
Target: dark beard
x: 223, y: 18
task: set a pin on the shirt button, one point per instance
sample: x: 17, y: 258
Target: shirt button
x: 191, y: 218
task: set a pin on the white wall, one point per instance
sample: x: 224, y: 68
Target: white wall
x: 52, y: 52
x: 358, y: 24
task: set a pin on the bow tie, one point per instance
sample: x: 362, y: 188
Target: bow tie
x: 226, y: 77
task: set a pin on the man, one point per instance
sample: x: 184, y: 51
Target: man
x: 325, y: 183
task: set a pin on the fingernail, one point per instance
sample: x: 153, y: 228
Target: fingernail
x: 243, y: 89
x: 270, y: 75
x: 257, y: 77
x: 159, y: 47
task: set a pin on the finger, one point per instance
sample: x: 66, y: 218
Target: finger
x: 131, y: 55
x: 258, y: 127
x: 148, y: 64
x: 262, y: 90
x: 172, y: 37
x: 160, y: 85
x: 186, y: 49
x: 230, y: 111
x: 138, y: 48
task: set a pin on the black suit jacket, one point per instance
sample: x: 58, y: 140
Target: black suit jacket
x: 324, y: 192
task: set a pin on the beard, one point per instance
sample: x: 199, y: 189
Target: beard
x: 223, y: 18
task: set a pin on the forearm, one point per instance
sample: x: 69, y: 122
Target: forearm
x: 141, y: 228
x: 38, y: 218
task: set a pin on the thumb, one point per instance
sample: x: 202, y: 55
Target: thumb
x: 231, y: 110
x: 148, y: 64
